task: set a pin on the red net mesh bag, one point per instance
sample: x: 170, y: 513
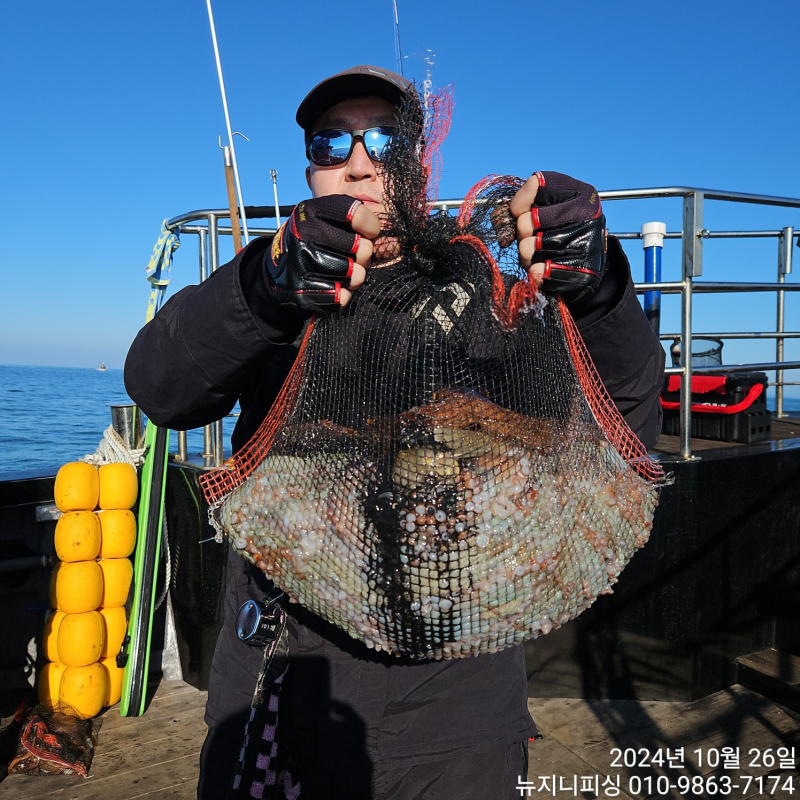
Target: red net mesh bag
x: 443, y: 473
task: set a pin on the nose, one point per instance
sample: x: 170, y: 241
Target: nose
x: 360, y: 166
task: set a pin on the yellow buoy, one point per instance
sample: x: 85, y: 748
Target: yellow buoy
x: 117, y: 533
x: 115, y: 626
x: 51, y: 634
x: 80, y: 638
x: 49, y: 682
x: 78, y: 536
x: 77, y: 487
x: 117, y: 575
x: 119, y: 486
x: 84, y: 689
x: 113, y: 681
x: 78, y: 586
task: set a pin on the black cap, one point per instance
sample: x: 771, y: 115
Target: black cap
x: 363, y: 80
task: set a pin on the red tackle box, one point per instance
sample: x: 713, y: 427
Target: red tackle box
x: 728, y: 408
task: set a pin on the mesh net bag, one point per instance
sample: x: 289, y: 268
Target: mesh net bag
x: 443, y: 473
x: 48, y: 740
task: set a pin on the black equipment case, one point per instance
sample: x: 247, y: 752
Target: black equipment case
x: 728, y: 408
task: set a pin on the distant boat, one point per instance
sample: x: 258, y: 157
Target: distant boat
x: 102, y: 367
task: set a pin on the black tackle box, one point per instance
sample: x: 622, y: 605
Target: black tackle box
x: 728, y: 408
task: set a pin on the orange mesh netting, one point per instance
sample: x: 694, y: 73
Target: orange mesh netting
x: 220, y: 482
x: 443, y: 473
x: 624, y: 440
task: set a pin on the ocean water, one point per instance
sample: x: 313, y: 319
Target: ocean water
x: 51, y: 415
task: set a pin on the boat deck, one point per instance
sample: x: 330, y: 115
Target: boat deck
x: 782, y: 430
x: 155, y: 756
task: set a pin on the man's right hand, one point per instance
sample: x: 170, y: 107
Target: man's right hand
x: 322, y: 253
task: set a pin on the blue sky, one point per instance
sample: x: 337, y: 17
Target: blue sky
x: 111, y: 116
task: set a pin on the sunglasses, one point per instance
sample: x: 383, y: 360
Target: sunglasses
x: 333, y: 147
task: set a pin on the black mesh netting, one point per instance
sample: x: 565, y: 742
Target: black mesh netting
x: 438, y: 476
x: 48, y: 740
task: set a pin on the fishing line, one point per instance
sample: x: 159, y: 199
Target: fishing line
x: 398, y: 53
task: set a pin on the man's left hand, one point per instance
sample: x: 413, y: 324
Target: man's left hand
x: 561, y: 233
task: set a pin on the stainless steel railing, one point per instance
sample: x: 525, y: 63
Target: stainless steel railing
x: 205, y: 224
x: 693, y: 235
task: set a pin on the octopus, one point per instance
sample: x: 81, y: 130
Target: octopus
x: 465, y: 422
x: 477, y: 529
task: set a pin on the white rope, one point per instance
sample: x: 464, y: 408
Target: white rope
x: 113, y: 450
x: 166, y: 554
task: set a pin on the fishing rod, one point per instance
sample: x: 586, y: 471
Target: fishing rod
x: 234, y: 163
x: 398, y: 53
x: 231, y: 189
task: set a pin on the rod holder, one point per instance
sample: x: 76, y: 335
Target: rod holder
x: 126, y: 420
x: 653, y: 234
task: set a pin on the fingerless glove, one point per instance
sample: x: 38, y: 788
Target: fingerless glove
x: 313, y: 254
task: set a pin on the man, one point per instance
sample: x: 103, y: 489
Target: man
x: 363, y: 724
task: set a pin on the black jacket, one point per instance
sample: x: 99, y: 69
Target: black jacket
x: 227, y: 339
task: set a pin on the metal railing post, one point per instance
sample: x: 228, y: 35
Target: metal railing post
x: 182, y: 447
x: 213, y: 243
x: 202, y: 244
x: 784, y: 268
x: 208, y: 443
x: 692, y: 266
x: 219, y: 443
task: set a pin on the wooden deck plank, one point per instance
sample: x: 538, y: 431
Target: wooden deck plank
x: 155, y: 731
x: 179, y: 708
x: 181, y: 791
x: 579, y: 724
x: 774, y: 664
x: 549, y: 760
x: 150, y: 777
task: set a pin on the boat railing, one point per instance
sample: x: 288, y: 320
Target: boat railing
x: 206, y: 225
